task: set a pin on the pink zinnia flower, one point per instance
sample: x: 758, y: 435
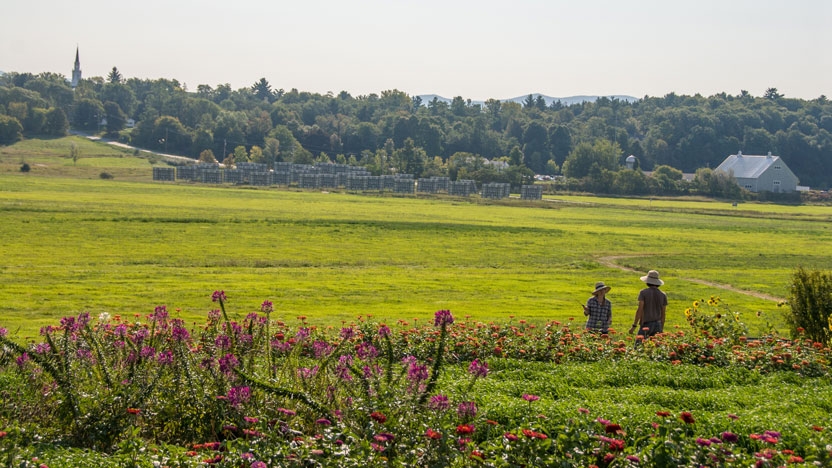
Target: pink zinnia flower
x: 529, y: 397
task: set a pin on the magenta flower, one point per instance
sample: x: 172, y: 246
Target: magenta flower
x: 439, y: 403
x: 323, y: 422
x: 228, y: 363
x: 442, y: 317
x: 287, y: 412
x: 22, y: 360
x: 383, y: 331
x: 266, y: 307
x: 342, y: 369
x: 703, y: 442
x: 478, y: 369
x: 366, y: 351
x: 467, y: 409
x: 84, y: 354
x: 530, y: 398
x: 384, y: 437
x: 347, y: 333
x: 729, y: 437
x: 416, y: 376
x: 238, y: 395
x: 3, y: 331
x: 165, y: 357
x: 307, y: 373
x: 218, y: 296
x: 179, y: 332
x: 222, y: 342
x: 322, y: 349
x: 160, y: 314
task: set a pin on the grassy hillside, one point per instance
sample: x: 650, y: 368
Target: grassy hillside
x: 51, y: 157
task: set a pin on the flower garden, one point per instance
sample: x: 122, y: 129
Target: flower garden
x: 151, y: 390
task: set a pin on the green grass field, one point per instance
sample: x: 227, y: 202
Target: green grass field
x: 71, y: 244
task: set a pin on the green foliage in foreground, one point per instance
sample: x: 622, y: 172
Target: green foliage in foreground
x: 260, y: 393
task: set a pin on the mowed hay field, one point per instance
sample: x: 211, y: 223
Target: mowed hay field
x: 71, y: 245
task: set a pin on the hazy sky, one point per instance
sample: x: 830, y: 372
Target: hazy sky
x: 476, y: 49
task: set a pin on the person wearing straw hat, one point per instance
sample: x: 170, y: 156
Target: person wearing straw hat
x: 652, y: 305
x: 598, y: 309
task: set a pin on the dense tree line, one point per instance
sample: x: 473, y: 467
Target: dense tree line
x: 393, y: 131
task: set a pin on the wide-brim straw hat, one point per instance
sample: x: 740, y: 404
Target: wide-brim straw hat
x: 652, y: 278
x: 600, y: 286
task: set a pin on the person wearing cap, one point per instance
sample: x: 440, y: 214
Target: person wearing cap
x: 598, y: 309
x: 652, y: 305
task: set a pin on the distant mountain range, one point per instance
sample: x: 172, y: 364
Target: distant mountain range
x: 566, y: 101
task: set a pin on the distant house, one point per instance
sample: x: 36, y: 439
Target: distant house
x: 760, y: 173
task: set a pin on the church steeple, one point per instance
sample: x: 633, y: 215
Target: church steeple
x: 76, y: 71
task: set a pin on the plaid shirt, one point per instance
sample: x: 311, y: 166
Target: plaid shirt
x: 600, y: 315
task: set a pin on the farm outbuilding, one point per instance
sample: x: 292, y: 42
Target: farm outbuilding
x: 760, y: 173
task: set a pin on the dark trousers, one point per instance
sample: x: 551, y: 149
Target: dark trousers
x: 652, y: 328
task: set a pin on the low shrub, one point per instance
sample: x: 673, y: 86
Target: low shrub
x: 810, y: 305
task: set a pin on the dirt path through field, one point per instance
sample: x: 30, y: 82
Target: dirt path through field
x: 611, y: 262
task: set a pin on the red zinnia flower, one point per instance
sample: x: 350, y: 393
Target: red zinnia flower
x: 687, y: 417
x: 612, y: 428
x: 433, y: 435
x: 378, y: 417
x: 662, y: 414
x: 534, y: 435
x: 465, y: 429
x: 134, y: 410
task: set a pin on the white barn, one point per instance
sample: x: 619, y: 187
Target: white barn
x: 760, y: 173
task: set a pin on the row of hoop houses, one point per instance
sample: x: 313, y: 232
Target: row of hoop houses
x: 334, y: 176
